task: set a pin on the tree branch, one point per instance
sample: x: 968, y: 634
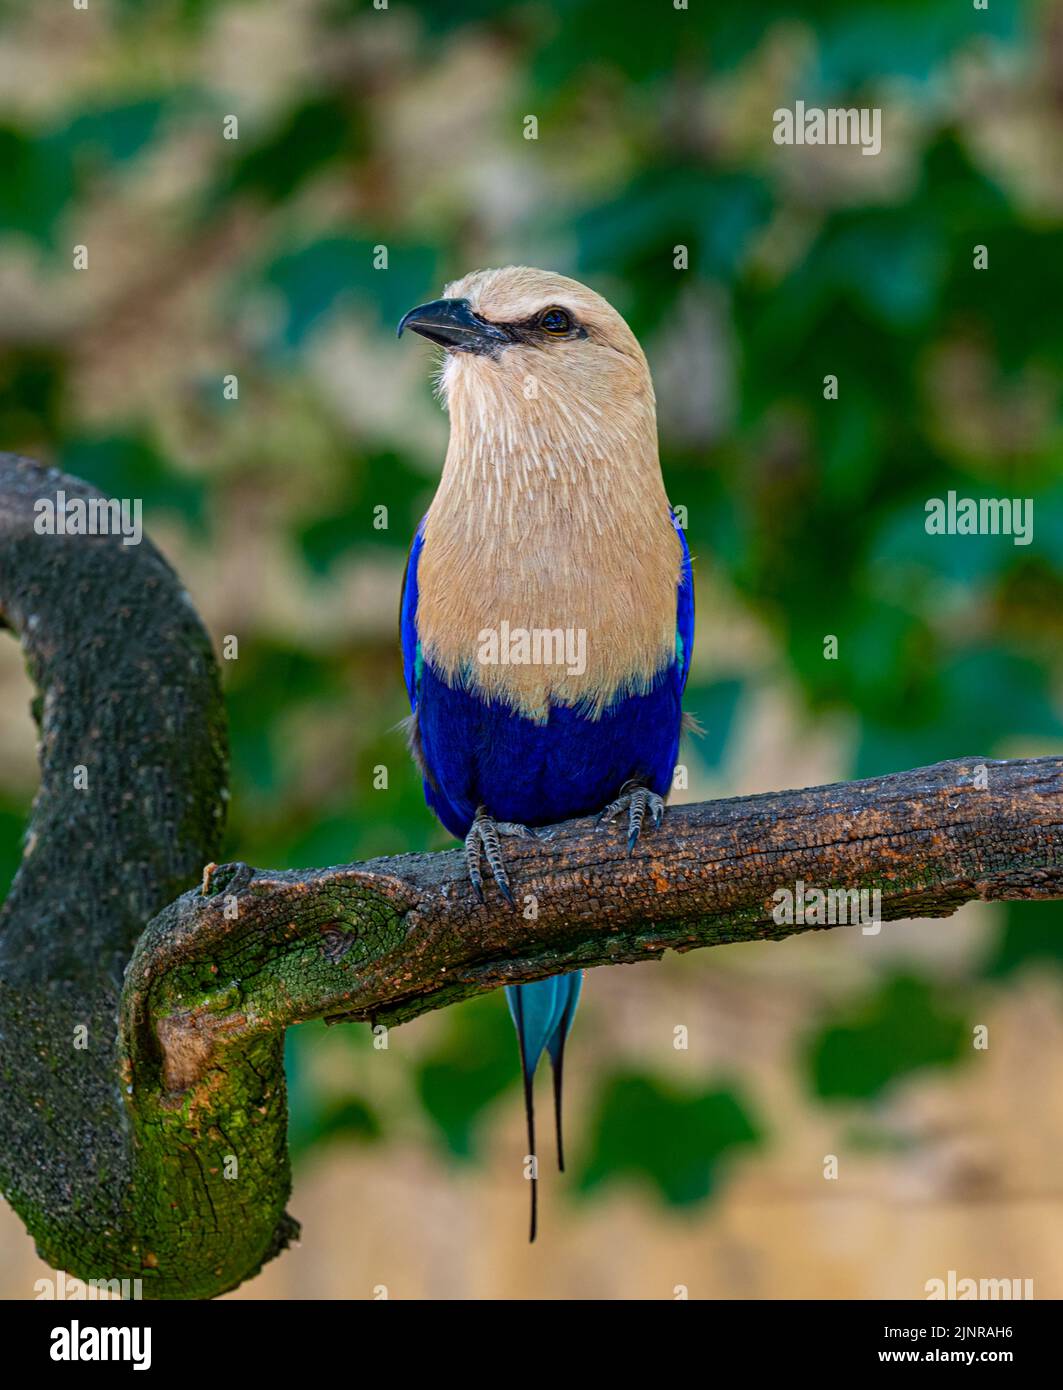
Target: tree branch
x: 392, y: 938
x: 187, y: 1188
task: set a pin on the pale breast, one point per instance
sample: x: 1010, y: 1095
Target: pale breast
x: 543, y: 599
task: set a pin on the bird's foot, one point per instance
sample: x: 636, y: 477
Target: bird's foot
x: 636, y: 800
x: 482, y: 843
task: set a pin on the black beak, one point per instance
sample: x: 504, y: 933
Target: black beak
x: 452, y: 324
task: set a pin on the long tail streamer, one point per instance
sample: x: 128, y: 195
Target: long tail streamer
x: 543, y: 1013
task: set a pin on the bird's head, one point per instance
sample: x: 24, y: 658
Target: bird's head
x: 537, y: 346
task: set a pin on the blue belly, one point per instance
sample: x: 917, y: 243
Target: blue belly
x: 478, y: 752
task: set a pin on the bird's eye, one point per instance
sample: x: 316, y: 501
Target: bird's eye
x: 555, y: 321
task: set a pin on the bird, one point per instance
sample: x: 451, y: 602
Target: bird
x: 547, y: 612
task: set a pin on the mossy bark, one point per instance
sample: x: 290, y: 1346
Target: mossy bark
x: 142, y: 1112
x: 131, y: 803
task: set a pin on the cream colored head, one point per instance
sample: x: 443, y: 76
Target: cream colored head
x: 534, y: 351
x: 551, y: 511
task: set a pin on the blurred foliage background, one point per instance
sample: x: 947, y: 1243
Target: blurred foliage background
x: 403, y: 128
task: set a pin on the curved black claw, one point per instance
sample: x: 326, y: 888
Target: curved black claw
x: 482, y: 841
x: 636, y: 800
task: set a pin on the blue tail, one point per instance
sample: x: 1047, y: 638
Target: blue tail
x: 543, y: 1014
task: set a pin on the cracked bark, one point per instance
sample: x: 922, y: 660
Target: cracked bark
x: 158, y: 1150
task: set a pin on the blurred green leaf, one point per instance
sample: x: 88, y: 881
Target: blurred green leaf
x: 315, y: 1118
x: 32, y: 390
x: 1032, y: 935
x: 329, y: 274
x: 114, y: 133
x: 13, y: 820
x: 980, y: 697
x: 473, y: 1063
x: 905, y: 38
x: 307, y: 138
x: 713, y: 706
x: 37, y: 183
x: 903, y: 1027
x: 379, y: 479
x: 130, y: 466
x: 677, y: 1142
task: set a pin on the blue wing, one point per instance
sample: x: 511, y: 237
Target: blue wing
x: 411, y: 647
x: 684, y: 625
